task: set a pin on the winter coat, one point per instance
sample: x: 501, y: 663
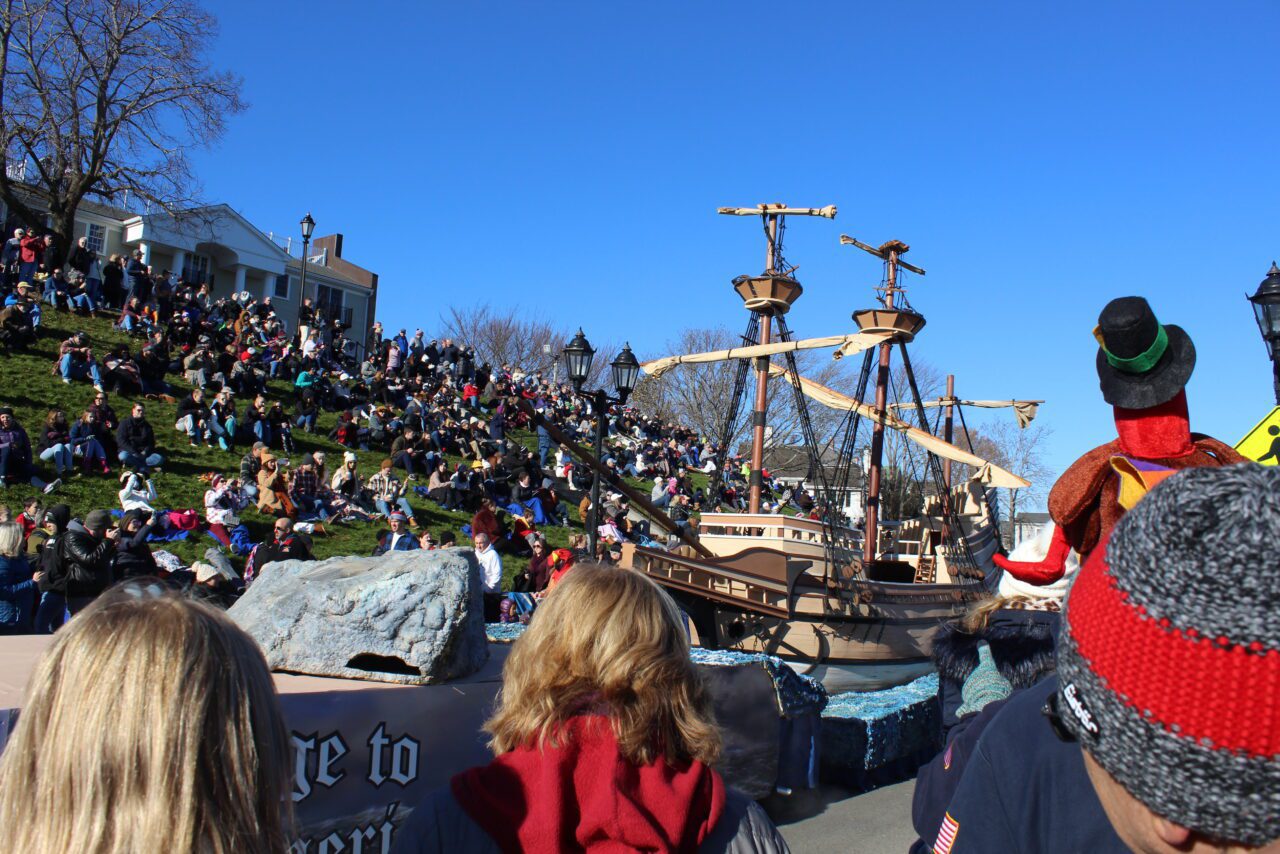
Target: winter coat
x: 271, y: 481
x: 440, y: 824
x: 1022, y: 646
x: 136, y: 436
x: 92, y: 555
x: 17, y: 595
x: 294, y: 546
x: 133, y: 554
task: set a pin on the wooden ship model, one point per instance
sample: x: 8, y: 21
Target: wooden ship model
x: 831, y: 598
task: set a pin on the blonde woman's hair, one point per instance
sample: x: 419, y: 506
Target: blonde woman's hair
x: 10, y: 539
x: 607, y: 640
x: 150, y: 724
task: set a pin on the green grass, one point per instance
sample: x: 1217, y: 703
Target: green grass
x: 29, y: 384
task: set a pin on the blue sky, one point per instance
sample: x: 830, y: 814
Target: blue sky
x: 569, y: 158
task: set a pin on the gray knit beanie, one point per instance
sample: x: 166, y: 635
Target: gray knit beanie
x: 1169, y: 655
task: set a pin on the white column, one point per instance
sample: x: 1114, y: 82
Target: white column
x: 269, y: 285
x: 146, y: 252
x: 239, y: 285
x: 179, y: 260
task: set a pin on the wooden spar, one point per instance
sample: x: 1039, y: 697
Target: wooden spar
x: 946, y: 435
x: 829, y: 211
x: 880, y: 253
x: 654, y: 513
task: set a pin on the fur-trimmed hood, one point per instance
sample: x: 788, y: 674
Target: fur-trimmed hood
x: 1021, y: 641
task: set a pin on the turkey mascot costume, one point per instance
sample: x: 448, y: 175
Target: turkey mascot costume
x: 1143, y: 368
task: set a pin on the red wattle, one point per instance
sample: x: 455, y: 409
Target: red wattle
x: 1039, y: 572
x: 1160, y: 432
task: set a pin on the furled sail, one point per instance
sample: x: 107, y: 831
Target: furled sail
x: 846, y: 345
x: 986, y: 472
x: 1023, y: 410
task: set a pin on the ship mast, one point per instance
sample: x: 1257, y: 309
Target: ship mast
x: 906, y: 323
x: 767, y: 295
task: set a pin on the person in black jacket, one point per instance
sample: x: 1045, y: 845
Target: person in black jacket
x: 137, y: 441
x: 52, y: 609
x: 285, y: 544
x: 194, y: 418
x: 133, y: 553
x: 86, y: 555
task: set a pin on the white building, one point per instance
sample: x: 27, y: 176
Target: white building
x: 217, y: 245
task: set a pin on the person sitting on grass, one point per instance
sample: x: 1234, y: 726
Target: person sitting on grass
x: 223, y: 501
x: 133, y: 557
x: 75, y: 361
x: 222, y: 419
x: 55, y: 443
x: 398, y: 539
x: 305, y: 487
x: 273, y: 489
x: 137, y: 441
x: 137, y: 491
x: 388, y: 493
x: 285, y: 544
x: 604, y: 737
x: 15, y: 454
x: 194, y: 418
x: 346, y: 481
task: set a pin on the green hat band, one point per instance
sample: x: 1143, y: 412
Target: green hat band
x: 1142, y: 362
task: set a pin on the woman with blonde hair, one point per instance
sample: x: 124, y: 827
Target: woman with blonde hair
x: 150, y: 724
x: 605, y: 738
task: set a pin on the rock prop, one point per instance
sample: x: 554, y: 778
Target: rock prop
x: 410, y: 617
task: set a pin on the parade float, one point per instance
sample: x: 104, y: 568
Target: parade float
x: 854, y: 606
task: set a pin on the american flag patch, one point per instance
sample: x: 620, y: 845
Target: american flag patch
x: 946, y: 835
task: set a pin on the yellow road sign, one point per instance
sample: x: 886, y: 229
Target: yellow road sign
x: 1262, y: 443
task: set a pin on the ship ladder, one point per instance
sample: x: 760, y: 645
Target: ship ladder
x: 926, y: 570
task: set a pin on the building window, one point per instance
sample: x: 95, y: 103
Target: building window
x: 195, y: 270
x: 282, y: 287
x: 329, y: 301
x: 95, y: 237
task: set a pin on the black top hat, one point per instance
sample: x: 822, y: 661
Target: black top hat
x: 1141, y: 363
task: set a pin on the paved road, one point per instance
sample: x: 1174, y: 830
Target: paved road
x: 829, y: 819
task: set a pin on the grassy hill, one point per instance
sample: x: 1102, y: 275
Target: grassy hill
x: 29, y: 384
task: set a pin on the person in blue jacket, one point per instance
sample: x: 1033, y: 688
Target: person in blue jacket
x: 17, y: 583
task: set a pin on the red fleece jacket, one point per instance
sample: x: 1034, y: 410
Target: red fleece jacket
x: 585, y: 796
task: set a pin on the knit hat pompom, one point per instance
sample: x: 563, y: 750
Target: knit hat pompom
x: 1169, y: 654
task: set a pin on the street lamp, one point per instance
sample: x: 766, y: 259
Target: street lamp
x: 578, y: 354
x: 308, y: 225
x: 1266, y: 310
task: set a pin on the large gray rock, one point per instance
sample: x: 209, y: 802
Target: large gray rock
x: 410, y: 617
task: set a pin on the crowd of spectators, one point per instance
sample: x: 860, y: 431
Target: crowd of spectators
x: 440, y: 419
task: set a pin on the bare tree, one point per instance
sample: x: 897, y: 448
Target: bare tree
x: 516, y: 337
x: 105, y: 98
x: 509, y: 336
x: 1021, y: 450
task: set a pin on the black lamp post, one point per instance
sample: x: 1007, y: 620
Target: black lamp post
x: 1266, y: 309
x: 578, y: 354
x: 308, y: 225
